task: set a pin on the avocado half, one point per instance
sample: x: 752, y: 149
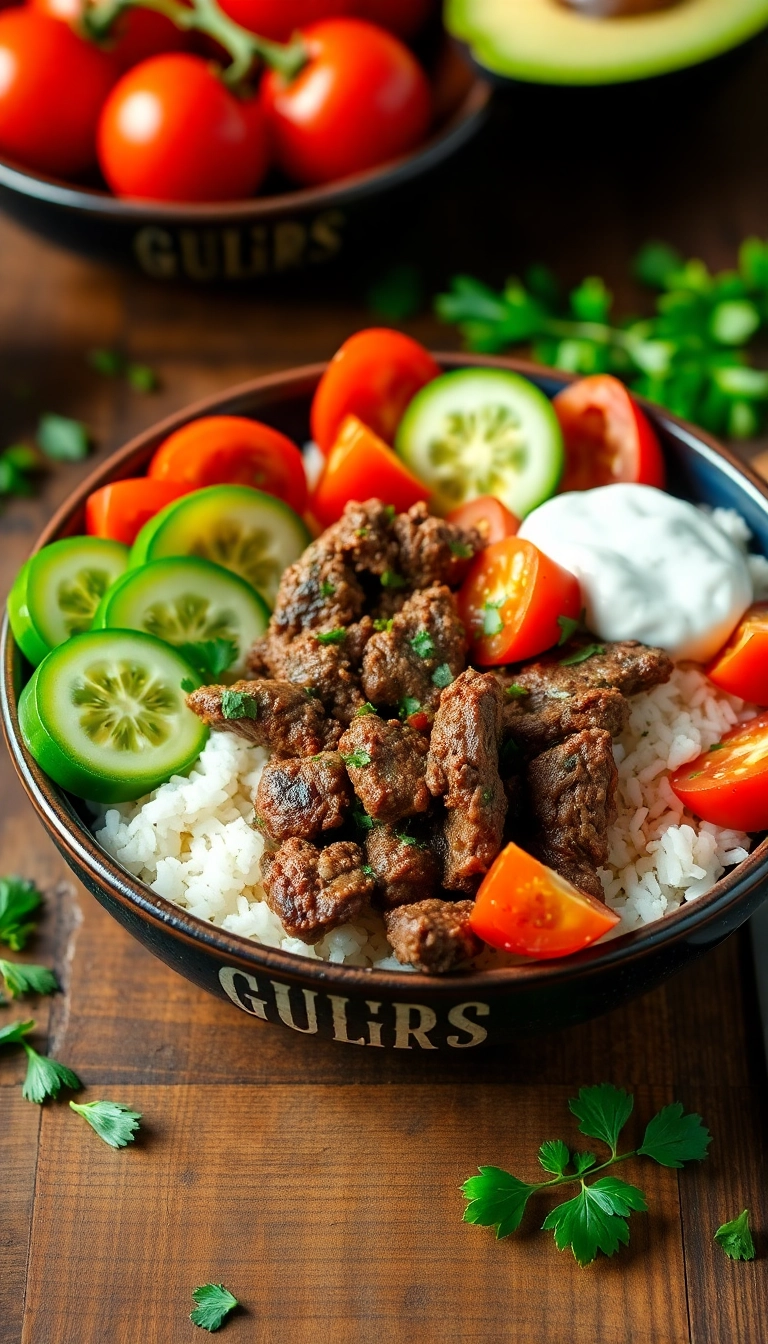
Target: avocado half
x: 544, y: 42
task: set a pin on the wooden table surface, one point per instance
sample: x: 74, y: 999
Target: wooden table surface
x: 319, y: 1185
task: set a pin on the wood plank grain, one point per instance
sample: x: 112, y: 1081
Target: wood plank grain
x: 19, y: 1124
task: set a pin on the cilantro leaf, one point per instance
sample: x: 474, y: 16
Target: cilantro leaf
x: 568, y: 628
x: 398, y: 294
x: 581, y: 655
x: 113, y: 1122
x: 214, y: 1303
x: 188, y: 685
x: 672, y: 1138
x: 210, y: 657
x: 516, y: 692
x: 442, y: 676
x: 595, y: 1219
x: 362, y: 819
x: 46, y: 1077
x: 61, y: 439
x: 14, y: 1032
x: 25, y: 979
x: 492, y: 622
x: 142, y: 378
x: 408, y: 705
x: 327, y: 589
x: 368, y: 870
x: 554, y: 1156
x: 735, y: 1238
x: 602, y: 1111
x: 496, y: 1199
x: 367, y: 708
x: 461, y: 550
x: 109, y: 363
x: 18, y: 899
x: 423, y: 644
x: 382, y: 623
x: 239, y: 705
x: 390, y: 579
x: 582, y: 1162
x: 356, y: 760
x: 336, y: 636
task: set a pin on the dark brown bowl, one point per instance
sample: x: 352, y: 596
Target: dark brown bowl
x: 399, y: 1011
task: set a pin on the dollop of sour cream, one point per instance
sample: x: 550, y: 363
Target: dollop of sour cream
x: 651, y: 567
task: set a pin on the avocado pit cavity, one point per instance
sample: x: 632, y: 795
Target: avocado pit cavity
x: 617, y: 9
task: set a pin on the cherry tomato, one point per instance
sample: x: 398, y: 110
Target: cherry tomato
x: 607, y: 436
x: 741, y: 666
x: 279, y: 19
x: 231, y: 450
x: 52, y: 87
x: 374, y: 375
x: 171, y: 131
x: 358, y: 464
x: 137, y: 34
x: 523, y: 906
x: 492, y: 519
x: 361, y: 99
x: 121, y: 509
x: 404, y: 17
x: 511, y: 599
x: 728, y: 785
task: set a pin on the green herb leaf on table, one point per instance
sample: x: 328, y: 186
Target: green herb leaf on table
x: 18, y: 899
x: 214, y: 1303
x: 239, y: 705
x: 672, y: 1137
x: 21, y: 978
x: 496, y: 1199
x: 14, y: 1032
x: 602, y: 1112
x: 595, y: 1219
x: 46, y: 1077
x: 142, y: 378
x: 210, y: 657
x: 735, y: 1238
x: 554, y: 1156
x: 61, y: 439
x: 582, y: 1162
x: 114, y: 1123
x: 109, y: 363
x: 398, y: 294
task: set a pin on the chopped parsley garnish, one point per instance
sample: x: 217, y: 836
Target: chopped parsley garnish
x: 423, y: 644
x: 142, y: 378
x: 406, y: 839
x: 361, y: 532
x: 46, y: 1077
x: 214, y: 1303
x: 367, y: 708
x: 210, y: 657
x: 389, y: 512
x: 368, y: 870
x: 735, y: 1238
x: 18, y: 900
x: 61, y: 439
x: 107, y: 362
x: 25, y: 979
x: 516, y: 692
x: 362, y: 820
x: 461, y: 550
x: 113, y: 1122
x: 408, y: 705
x: 487, y: 796
x: 492, y: 622
x: 596, y: 1218
x: 442, y: 676
x: 717, y: 746
x: 383, y: 624
x: 239, y: 705
x: 356, y: 760
x: 14, y: 1032
x: 112, y: 364
x: 568, y: 628
x: 327, y: 589
x: 336, y: 636
x: 581, y: 655
x: 390, y: 579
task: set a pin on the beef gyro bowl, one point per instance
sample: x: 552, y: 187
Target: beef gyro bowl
x: 411, y: 701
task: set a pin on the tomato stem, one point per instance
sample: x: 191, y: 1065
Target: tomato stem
x: 205, y: 16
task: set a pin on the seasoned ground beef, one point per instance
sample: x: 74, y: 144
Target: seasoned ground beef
x: 424, y: 649
x: 433, y: 935
x: 314, y: 890
x: 571, y: 789
x: 365, y: 539
x: 326, y: 670
x: 386, y: 761
x: 404, y: 869
x: 302, y: 797
x: 463, y: 769
x: 432, y: 550
x: 319, y: 591
x: 269, y: 713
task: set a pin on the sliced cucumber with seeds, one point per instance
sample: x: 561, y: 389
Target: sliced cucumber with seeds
x: 58, y: 590
x: 105, y: 715
x: 483, y: 432
x: 184, y: 600
x: 247, y: 531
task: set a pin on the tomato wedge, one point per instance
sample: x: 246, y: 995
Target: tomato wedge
x: 231, y: 450
x: 523, y: 906
x: 492, y: 519
x: 607, y: 437
x: 359, y: 465
x: 511, y: 599
x: 741, y: 666
x: 121, y: 509
x: 728, y: 785
x: 374, y: 375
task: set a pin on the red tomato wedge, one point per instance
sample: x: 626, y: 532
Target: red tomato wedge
x: 511, y: 599
x: 741, y: 666
x: 374, y: 375
x: 231, y: 450
x: 607, y: 436
x: 121, y: 509
x: 523, y: 906
x: 492, y: 519
x: 728, y: 785
x: 360, y: 464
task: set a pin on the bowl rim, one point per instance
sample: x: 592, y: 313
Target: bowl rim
x: 455, y: 131
x: 78, y: 843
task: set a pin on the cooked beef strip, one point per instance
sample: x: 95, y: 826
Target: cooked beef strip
x: 463, y: 769
x: 402, y: 661
x: 302, y: 797
x: 432, y: 550
x: 364, y: 538
x: 571, y: 790
x: 319, y: 591
x: 433, y: 935
x: 386, y: 762
x: 327, y: 670
x: 314, y: 890
x: 405, y: 870
x: 270, y: 713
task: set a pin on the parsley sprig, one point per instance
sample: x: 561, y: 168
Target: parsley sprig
x: 114, y: 1123
x: 46, y: 1077
x: 735, y: 1238
x: 21, y: 978
x: 210, y: 657
x: 596, y: 1218
x: 214, y: 1303
x: 18, y: 900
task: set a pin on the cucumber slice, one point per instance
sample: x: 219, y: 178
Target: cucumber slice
x: 483, y: 432
x: 184, y: 600
x: 105, y: 715
x: 57, y: 591
x: 247, y: 531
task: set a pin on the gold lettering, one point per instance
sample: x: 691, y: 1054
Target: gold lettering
x: 235, y: 266
x: 229, y: 978
x: 374, y: 1028
x: 457, y: 1018
x: 325, y: 230
x: 199, y: 254
x: 289, y: 243
x: 283, y: 1002
x: 339, y: 1007
x: 154, y: 252
x: 404, y: 1030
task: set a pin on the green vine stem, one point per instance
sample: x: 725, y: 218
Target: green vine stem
x: 205, y: 16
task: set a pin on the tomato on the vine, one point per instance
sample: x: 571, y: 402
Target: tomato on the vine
x: 135, y: 36
x: 279, y: 19
x: 373, y: 375
x: 52, y: 87
x: 171, y: 131
x: 361, y: 99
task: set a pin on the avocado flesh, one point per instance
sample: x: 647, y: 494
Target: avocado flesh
x: 545, y: 42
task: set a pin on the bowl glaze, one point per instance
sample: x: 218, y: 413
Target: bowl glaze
x: 401, y: 1011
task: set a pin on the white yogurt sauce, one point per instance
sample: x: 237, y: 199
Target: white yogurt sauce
x: 651, y: 567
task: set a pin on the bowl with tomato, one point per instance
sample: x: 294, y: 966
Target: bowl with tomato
x: 224, y: 144
x: 142, y: 513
